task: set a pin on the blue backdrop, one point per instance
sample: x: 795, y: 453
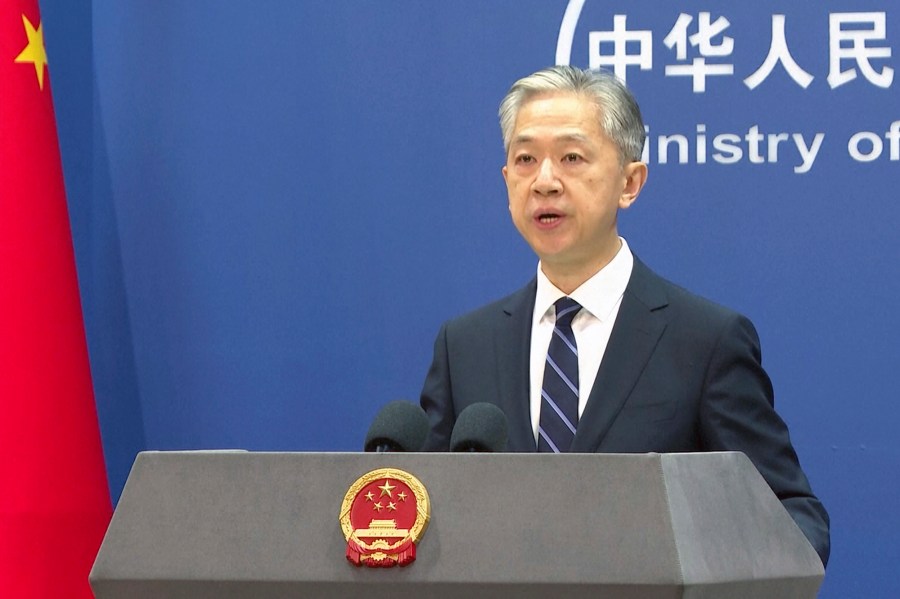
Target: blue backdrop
x: 276, y: 203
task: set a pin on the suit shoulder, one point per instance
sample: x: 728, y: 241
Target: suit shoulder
x: 523, y: 299
x: 652, y: 287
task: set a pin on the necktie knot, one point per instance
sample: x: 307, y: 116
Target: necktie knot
x: 566, y: 310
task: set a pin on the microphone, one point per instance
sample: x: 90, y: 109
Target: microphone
x: 480, y: 427
x: 398, y: 426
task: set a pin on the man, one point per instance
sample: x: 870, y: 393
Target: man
x: 635, y: 364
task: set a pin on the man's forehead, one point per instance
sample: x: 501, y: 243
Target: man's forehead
x: 559, y: 116
x: 555, y: 135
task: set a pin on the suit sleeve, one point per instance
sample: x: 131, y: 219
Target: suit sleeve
x: 437, y: 397
x: 738, y: 414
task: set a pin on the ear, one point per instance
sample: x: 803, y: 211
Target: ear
x: 506, y: 180
x: 635, y: 177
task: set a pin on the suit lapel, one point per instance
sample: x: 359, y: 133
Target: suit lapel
x: 638, y: 327
x: 512, y: 345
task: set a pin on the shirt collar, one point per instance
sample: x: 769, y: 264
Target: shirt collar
x: 598, y: 295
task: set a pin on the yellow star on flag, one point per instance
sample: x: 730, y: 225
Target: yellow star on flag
x: 34, y: 52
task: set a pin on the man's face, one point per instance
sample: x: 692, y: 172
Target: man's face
x: 566, y: 183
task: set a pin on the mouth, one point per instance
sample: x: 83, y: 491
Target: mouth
x: 547, y: 217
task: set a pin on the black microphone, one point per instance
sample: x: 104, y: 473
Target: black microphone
x: 399, y: 426
x: 480, y: 427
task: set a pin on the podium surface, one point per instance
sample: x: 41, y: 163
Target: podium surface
x: 265, y: 525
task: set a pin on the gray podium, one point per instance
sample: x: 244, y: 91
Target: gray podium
x: 265, y: 525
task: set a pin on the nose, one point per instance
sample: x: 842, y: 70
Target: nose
x: 546, y: 182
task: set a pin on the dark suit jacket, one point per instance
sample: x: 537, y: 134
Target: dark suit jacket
x: 680, y: 374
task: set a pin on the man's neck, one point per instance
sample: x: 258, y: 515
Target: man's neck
x: 568, y: 278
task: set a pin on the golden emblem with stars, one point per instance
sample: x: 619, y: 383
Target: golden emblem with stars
x: 383, y: 515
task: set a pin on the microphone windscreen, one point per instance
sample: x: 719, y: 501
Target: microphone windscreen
x: 398, y: 426
x: 480, y: 427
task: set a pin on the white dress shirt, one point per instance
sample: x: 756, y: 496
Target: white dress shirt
x: 600, y: 298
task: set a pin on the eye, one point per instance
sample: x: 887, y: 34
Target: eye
x: 524, y: 159
x: 572, y: 158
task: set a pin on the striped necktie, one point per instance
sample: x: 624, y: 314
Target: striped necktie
x: 559, y: 393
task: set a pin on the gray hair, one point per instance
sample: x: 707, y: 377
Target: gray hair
x: 620, y: 115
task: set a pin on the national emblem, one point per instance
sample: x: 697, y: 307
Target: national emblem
x: 383, y: 516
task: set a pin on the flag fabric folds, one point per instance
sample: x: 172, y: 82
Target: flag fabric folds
x: 54, y: 498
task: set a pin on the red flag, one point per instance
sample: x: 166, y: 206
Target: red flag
x: 54, y: 499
